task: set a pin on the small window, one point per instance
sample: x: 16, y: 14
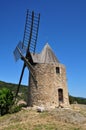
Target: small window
x: 57, y: 70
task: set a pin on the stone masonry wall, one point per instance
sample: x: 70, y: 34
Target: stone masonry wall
x: 48, y: 83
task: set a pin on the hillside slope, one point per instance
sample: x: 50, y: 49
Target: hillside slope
x: 55, y: 119
x: 73, y: 118
x: 13, y: 87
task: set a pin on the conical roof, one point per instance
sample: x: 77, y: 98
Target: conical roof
x: 46, y: 56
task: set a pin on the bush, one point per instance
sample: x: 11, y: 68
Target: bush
x: 6, y: 100
x: 15, y: 109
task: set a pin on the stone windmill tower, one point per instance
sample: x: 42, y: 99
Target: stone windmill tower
x: 50, y: 75
x: 47, y: 77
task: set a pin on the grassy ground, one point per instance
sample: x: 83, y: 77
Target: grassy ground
x: 32, y: 120
x: 51, y: 120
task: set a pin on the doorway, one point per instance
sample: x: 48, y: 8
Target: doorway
x: 60, y: 95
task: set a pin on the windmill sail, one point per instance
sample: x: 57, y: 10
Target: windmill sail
x: 30, y: 35
x: 31, y: 31
x: 29, y: 40
x: 23, y: 49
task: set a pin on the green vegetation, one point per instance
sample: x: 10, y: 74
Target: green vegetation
x: 6, y: 100
x: 78, y: 100
x: 13, y: 88
x: 7, y: 93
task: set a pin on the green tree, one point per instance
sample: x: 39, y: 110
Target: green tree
x: 6, y: 100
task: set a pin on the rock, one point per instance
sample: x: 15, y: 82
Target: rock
x: 40, y: 109
x: 21, y: 102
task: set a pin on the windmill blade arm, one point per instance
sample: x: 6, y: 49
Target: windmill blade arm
x: 28, y: 65
x: 26, y: 61
x: 20, y: 80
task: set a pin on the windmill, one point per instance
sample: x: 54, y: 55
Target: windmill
x: 24, y: 48
x: 47, y: 79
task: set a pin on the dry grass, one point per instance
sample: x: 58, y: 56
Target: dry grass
x: 32, y: 120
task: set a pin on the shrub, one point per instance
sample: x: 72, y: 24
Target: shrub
x: 15, y: 109
x: 6, y: 100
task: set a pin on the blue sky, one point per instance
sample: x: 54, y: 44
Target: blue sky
x: 62, y: 25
